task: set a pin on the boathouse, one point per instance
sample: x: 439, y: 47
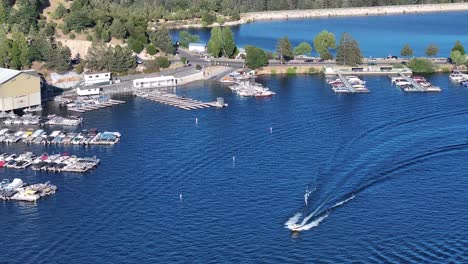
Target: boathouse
x: 197, y: 47
x: 19, y: 89
x: 92, y: 78
x: 155, y: 82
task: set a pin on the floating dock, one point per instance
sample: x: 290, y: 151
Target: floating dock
x: 180, y: 102
x: 347, y: 84
x: 416, y: 86
x: 91, y: 107
x: 19, y: 191
x: 59, y: 137
x: 50, y: 163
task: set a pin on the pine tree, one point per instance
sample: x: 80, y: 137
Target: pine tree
x: 163, y: 40
x: 407, y: 51
x: 4, y: 49
x: 215, y: 43
x: 19, y: 53
x: 348, y: 52
x: 3, y: 14
x: 118, y: 29
x: 432, y: 50
x: 284, y: 49
x: 229, y: 45
x: 458, y: 46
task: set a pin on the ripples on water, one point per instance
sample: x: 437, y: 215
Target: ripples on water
x: 387, y: 169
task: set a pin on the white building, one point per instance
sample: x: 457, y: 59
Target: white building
x: 197, y: 47
x: 154, y: 82
x: 85, y: 91
x: 96, y: 78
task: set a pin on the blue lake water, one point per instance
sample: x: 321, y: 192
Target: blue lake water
x: 401, y: 156
x: 378, y: 36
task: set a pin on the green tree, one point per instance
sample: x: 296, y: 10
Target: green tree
x: 303, y: 48
x: 151, y: 49
x: 323, y: 42
x: 135, y: 45
x: 118, y: 29
x: 122, y: 59
x: 458, y: 58
x: 421, y: 65
x: 255, y: 57
x: 59, y: 58
x: 4, y: 49
x: 406, y: 51
x: 163, y: 40
x: 151, y: 66
x: 19, y: 52
x: 208, y: 18
x: 215, y: 44
x: 3, y: 14
x: 228, y: 43
x: 163, y: 62
x: 284, y: 49
x: 458, y: 46
x: 185, y: 38
x: 348, y: 52
x: 432, y: 50
x: 60, y: 11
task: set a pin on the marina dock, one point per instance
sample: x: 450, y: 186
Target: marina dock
x: 17, y: 190
x: 51, y: 163
x: 417, y: 84
x: 59, y: 137
x: 347, y: 84
x: 90, y: 107
x: 178, y: 101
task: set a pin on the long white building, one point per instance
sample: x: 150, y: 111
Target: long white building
x: 155, y: 82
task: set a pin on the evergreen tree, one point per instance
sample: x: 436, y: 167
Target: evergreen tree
x: 458, y: 46
x: 3, y: 14
x: 348, y: 52
x: 432, y: 50
x: 406, y: 51
x: 60, y: 11
x: 229, y: 45
x: 284, y: 49
x: 163, y: 40
x: 215, y: 45
x: 59, y: 58
x: 185, y: 38
x: 4, y: 49
x: 19, y: 52
x: 118, y: 29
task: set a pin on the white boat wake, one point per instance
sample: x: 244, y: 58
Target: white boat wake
x: 296, y: 225
x: 307, y: 194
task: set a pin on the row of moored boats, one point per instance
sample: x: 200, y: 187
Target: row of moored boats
x: 251, y: 89
x: 348, y: 84
x: 460, y: 78
x: 50, y: 120
x: 59, y: 137
x: 62, y: 162
x: 414, y: 84
x: 20, y: 191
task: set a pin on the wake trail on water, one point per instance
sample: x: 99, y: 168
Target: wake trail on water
x: 335, y: 187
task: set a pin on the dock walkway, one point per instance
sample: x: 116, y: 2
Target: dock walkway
x: 178, y: 101
x: 346, y: 83
x: 416, y: 87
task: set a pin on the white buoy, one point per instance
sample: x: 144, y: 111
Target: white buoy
x: 196, y: 120
x: 271, y: 130
x: 180, y: 196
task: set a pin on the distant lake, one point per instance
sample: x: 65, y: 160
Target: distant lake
x: 378, y: 36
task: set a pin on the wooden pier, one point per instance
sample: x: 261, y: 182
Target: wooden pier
x: 177, y: 101
x: 91, y: 107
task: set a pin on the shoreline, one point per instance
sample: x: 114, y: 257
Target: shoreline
x: 251, y: 17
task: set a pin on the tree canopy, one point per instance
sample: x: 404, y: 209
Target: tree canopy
x: 323, y: 42
x: 255, y: 57
x: 348, y: 52
x: 432, y: 50
x: 221, y: 42
x: 303, y: 48
x: 459, y: 47
x: 284, y: 49
x: 406, y: 51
